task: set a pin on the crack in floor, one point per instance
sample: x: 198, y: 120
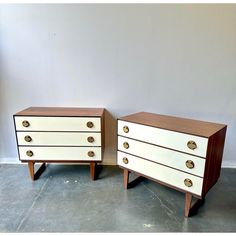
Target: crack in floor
x: 26, y: 215
x: 169, y: 212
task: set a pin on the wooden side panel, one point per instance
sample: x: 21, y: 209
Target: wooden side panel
x: 214, y: 159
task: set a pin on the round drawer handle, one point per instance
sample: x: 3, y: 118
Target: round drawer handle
x: 25, y: 123
x: 90, y: 124
x: 189, y: 164
x: 29, y: 153
x: 126, y: 129
x: 91, y: 154
x: 125, y: 160
x: 125, y: 145
x: 28, y: 138
x: 188, y: 182
x: 90, y: 139
x: 191, y: 145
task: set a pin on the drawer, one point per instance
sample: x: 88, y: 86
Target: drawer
x: 59, y: 139
x: 185, y: 162
x: 165, y: 138
x: 32, y: 123
x: 162, y: 173
x: 60, y: 153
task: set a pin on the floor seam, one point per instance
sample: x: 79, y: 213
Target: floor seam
x: 169, y: 212
x: 32, y: 205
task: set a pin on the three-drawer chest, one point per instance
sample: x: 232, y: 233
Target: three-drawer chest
x: 58, y: 134
x: 180, y: 153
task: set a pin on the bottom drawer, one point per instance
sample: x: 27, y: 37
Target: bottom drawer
x: 61, y: 153
x: 162, y: 173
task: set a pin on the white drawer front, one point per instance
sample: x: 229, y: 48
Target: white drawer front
x: 59, y: 138
x: 57, y: 123
x: 61, y: 153
x: 162, y: 155
x: 162, y: 173
x: 165, y: 138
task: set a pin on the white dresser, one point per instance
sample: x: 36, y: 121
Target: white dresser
x: 57, y: 134
x: 180, y: 153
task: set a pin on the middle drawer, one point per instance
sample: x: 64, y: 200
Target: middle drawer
x: 185, y: 162
x: 58, y: 139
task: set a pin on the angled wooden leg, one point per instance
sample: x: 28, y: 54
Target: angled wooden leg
x: 190, y: 208
x: 93, y: 170
x: 126, y: 178
x: 188, y: 201
x: 36, y: 175
x: 31, y: 169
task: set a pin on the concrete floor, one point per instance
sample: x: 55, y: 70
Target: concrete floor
x: 64, y: 199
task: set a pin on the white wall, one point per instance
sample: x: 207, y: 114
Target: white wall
x: 169, y: 59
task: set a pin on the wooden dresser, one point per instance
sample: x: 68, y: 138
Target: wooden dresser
x: 57, y: 134
x: 180, y: 153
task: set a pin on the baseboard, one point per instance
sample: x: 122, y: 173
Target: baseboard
x: 228, y: 164
x: 9, y: 160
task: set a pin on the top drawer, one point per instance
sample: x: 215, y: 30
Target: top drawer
x: 33, y: 123
x: 192, y: 144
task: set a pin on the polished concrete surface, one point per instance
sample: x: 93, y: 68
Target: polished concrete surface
x: 64, y: 199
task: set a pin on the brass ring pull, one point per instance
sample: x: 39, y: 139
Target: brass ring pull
x: 125, y: 160
x: 191, y: 145
x: 28, y: 138
x: 189, y: 164
x: 29, y: 153
x: 126, y: 129
x: 91, y: 154
x: 125, y: 145
x: 188, y: 182
x: 90, y: 139
x: 25, y: 123
x: 90, y: 124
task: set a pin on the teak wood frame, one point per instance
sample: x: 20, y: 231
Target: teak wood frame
x: 216, y: 138
x: 62, y: 112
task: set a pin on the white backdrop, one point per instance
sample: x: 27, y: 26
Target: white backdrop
x: 171, y: 59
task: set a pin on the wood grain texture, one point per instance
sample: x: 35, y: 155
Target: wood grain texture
x: 61, y: 111
x: 126, y: 178
x: 188, y: 201
x: 183, y: 125
x: 214, y: 160
x: 31, y: 169
x: 93, y: 170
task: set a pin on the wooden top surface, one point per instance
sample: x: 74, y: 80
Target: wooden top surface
x: 61, y: 111
x: 183, y: 125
